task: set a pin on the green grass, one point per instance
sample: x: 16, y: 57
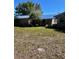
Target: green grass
x: 29, y: 39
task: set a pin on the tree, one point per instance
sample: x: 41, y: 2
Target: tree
x: 29, y: 8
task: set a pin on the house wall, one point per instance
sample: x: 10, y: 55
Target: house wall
x: 54, y: 21
x: 21, y: 22
x: 26, y: 22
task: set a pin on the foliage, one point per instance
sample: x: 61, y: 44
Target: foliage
x: 29, y: 8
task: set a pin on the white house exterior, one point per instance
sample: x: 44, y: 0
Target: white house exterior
x: 54, y: 21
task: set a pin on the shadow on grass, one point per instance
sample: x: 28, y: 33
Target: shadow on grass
x: 57, y: 28
x: 60, y: 30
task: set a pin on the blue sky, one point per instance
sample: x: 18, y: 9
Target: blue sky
x: 49, y: 7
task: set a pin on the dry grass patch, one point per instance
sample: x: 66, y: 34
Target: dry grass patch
x: 30, y: 40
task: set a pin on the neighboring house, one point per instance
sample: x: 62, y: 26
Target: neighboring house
x: 44, y: 20
x: 25, y: 21
x: 60, y: 20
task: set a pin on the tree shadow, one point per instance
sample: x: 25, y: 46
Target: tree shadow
x: 57, y: 28
x: 60, y: 30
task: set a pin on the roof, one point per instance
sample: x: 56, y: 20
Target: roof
x: 22, y: 17
x: 41, y: 17
x: 59, y: 15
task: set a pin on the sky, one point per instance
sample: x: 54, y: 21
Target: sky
x: 49, y: 7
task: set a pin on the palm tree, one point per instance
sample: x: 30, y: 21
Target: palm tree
x: 28, y: 8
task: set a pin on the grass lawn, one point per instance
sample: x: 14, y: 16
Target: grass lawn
x: 38, y: 43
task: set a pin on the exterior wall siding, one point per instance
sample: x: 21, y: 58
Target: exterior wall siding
x: 54, y: 21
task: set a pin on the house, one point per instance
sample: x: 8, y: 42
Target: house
x: 60, y: 20
x: 25, y: 21
x: 45, y: 20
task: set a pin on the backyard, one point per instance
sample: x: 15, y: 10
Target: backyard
x: 38, y: 43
